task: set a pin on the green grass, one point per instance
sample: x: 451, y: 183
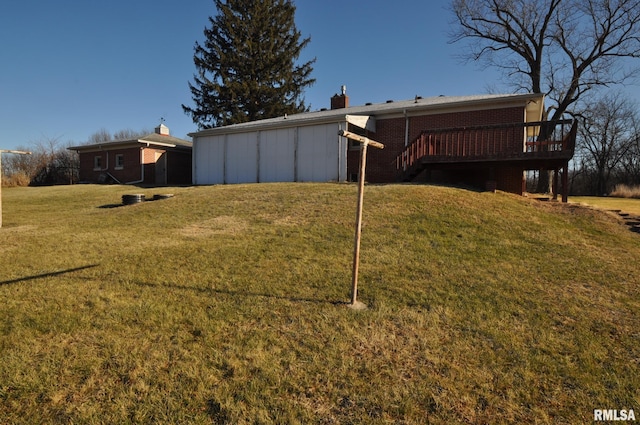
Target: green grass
x: 628, y: 205
x: 227, y: 304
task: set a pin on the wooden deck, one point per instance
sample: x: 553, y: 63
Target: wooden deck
x: 492, y: 145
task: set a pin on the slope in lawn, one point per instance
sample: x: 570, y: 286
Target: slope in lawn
x: 227, y: 304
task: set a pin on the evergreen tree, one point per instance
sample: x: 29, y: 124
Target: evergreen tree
x: 246, y: 67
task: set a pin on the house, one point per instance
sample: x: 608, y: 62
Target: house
x: 487, y: 141
x: 155, y: 159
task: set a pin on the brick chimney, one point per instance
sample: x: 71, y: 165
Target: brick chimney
x: 339, y: 101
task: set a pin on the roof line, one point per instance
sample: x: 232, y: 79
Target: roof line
x: 378, y: 110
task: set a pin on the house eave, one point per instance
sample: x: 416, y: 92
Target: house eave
x: 97, y: 147
x: 125, y: 144
x: 273, y: 123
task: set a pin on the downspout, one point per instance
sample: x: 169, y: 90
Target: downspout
x: 343, y: 143
x: 406, y: 132
x: 141, y: 167
x: 258, y: 156
x: 107, y: 153
x: 194, y: 172
x: 107, y: 167
x: 224, y: 156
x: 406, y: 128
x: 295, y: 154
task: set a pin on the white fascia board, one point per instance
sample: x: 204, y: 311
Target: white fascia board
x: 150, y: 144
x: 366, y: 122
x: 534, y: 109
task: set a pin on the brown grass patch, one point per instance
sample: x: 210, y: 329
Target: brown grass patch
x: 18, y: 229
x: 222, y: 225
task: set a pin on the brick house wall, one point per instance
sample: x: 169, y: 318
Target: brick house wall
x: 130, y: 170
x: 178, y: 165
x: 86, y: 172
x: 511, y: 179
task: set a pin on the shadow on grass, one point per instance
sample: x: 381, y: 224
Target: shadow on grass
x: 43, y: 275
x: 242, y: 293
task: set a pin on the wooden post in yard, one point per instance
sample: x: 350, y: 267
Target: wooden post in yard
x: 361, y: 178
x: 1, y: 152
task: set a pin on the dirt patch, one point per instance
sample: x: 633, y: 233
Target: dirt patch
x: 579, y: 209
x: 222, y: 225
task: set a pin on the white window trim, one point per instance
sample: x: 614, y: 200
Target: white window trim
x: 119, y: 166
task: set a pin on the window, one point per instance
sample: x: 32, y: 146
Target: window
x: 355, y: 145
x: 119, y: 161
x: 97, y: 162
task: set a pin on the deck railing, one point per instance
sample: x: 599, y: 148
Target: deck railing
x: 491, y: 142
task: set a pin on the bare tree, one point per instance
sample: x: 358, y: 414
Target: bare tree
x: 102, y: 135
x: 562, y: 48
x: 130, y: 134
x: 18, y: 169
x: 631, y: 162
x: 49, y: 163
x: 608, y: 135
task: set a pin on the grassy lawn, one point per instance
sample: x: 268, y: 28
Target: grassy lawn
x: 226, y: 304
x: 629, y: 205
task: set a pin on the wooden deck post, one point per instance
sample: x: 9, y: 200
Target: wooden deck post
x: 1, y: 152
x: 565, y: 183
x: 361, y: 179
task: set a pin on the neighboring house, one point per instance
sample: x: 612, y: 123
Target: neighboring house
x: 154, y: 159
x: 486, y: 141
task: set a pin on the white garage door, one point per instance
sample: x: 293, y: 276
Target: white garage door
x: 318, y: 153
x: 208, y: 160
x: 277, y: 155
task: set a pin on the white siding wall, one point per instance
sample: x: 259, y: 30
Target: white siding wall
x: 307, y: 154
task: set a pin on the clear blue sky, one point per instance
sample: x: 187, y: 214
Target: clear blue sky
x: 72, y: 67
